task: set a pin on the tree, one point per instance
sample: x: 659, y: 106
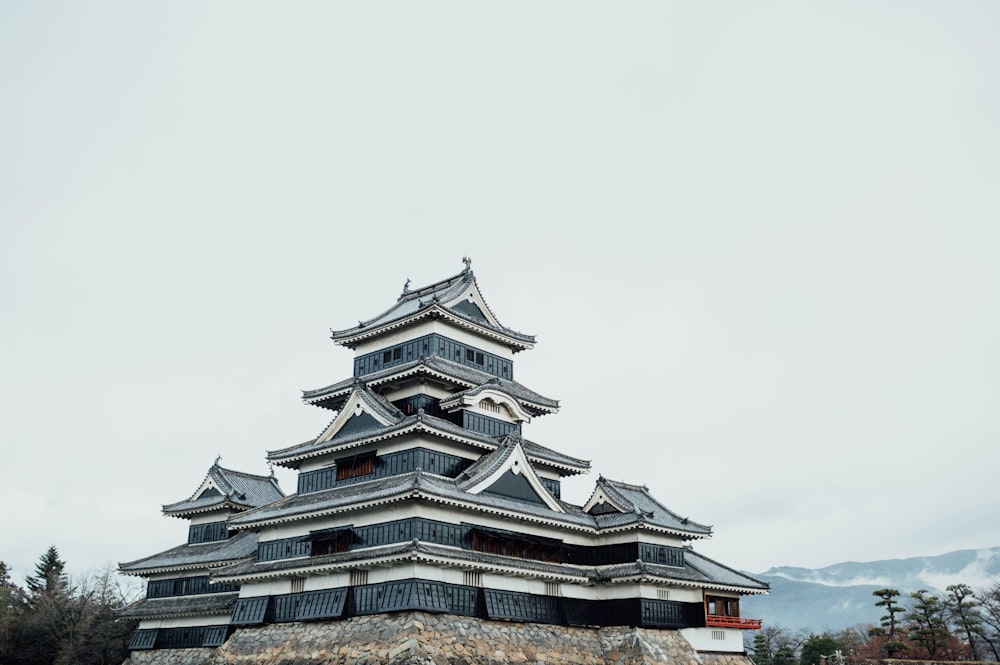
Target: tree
x: 761, y: 653
x: 927, y: 626
x: 963, y: 611
x: 989, y: 606
x: 889, y: 621
x: 12, y: 605
x: 48, y: 573
x: 816, y: 646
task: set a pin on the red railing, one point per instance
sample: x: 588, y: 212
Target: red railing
x: 732, y: 622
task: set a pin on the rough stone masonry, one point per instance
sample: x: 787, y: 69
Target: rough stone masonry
x: 419, y: 638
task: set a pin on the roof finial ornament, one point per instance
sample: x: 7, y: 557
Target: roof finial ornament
x: 406, y: 286
x: 217, y: 460
x: 468, y: 263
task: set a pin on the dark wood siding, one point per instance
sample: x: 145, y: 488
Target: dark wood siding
x: 392, y: 464
x: 434, y: 344
x: 432, y: 596
x: 509, y: 543
x: 143, y: 639
x: 489, y: 426
x: 251, y: 611
x: 324, y: 604
x: 521, y: 606
x: 667, y: 556
x: 191, y: 637
x: 207, y: 533
x: 186, y: 586
x: 514, y: 486
x: 285, y: 548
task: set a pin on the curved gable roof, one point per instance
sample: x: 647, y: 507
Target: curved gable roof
x: 457, y: 296
x: 226, y: 488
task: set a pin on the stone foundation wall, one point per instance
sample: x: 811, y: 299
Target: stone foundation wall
x: 418, y: 638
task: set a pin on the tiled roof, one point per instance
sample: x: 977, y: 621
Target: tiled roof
x: 177, y: 606
x: 486, y: 464
x: 642, y: 508
x: 697, y: 570
x: 235, y: 489
x: 395, y: 488
x: 398, y: 551
x: 433, y: 364
x: 436, y: 295
x: 431, y: 424
x: 202, y: 555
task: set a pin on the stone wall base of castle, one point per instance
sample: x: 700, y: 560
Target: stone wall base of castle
x: 419, y: 638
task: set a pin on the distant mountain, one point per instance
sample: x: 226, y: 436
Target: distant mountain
x: 840, y: 596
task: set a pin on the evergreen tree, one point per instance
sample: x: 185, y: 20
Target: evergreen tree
x: 927, y: 626
x: 761, y: 649
x: 816, y: 646
x: 889, y: 621
x: 963, y: 611
x: 49, y: 576
x: 12, y: 605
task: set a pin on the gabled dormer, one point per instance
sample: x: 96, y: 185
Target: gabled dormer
x: 621, y: 506
x: 223, y: 493
x: 455, y: 301
x: 362, y: 410
x: 507, y: 472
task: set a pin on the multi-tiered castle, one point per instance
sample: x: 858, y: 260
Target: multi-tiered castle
x: 423, y: 493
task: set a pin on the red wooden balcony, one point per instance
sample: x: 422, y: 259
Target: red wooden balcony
x: 716, y: 621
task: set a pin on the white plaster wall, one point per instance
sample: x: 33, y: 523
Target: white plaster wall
x: 707, y: 639
x: 184, y: 622
x: 214, y: 516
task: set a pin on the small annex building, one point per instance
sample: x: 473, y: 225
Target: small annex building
x: 424, y: 494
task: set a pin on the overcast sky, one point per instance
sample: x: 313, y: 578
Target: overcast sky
x: 757, y: 242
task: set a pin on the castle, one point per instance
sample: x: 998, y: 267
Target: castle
x: 424, y: 494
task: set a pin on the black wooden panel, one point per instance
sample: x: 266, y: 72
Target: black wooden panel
x: 669, y: 613
x: 487, y: 425
x: 207, y: 533
x: 284, y: 548
x: 186, y: 586
x: 325, y: 604
x: 514, y: 486
x: 554, y: 487
x: 521, y: 606
x: 143, y: 639
x: 433, y: 345
x: 286, y: 607
x: 250, y: 611
x: 181, y: 638
x: 318, y: 480
x: 662, y: 554
x: 215, y: 636
x: 430, y: 596
x: 357, y: 423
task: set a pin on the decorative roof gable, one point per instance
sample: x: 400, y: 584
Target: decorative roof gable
x: 227, y: 489
x: 490, y: 396
x: 507, y: 472
x: 616, y: 504
x: 363, y: 410
x: 457, y: 299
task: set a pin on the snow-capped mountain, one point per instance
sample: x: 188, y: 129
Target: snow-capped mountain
x: 839, y: 596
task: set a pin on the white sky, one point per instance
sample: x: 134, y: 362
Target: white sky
x: 757, y: 242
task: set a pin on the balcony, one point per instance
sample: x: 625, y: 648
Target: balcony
x: 716, y: 621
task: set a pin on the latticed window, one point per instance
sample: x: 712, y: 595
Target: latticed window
x: 352, y: 467
x: 510, y: 546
